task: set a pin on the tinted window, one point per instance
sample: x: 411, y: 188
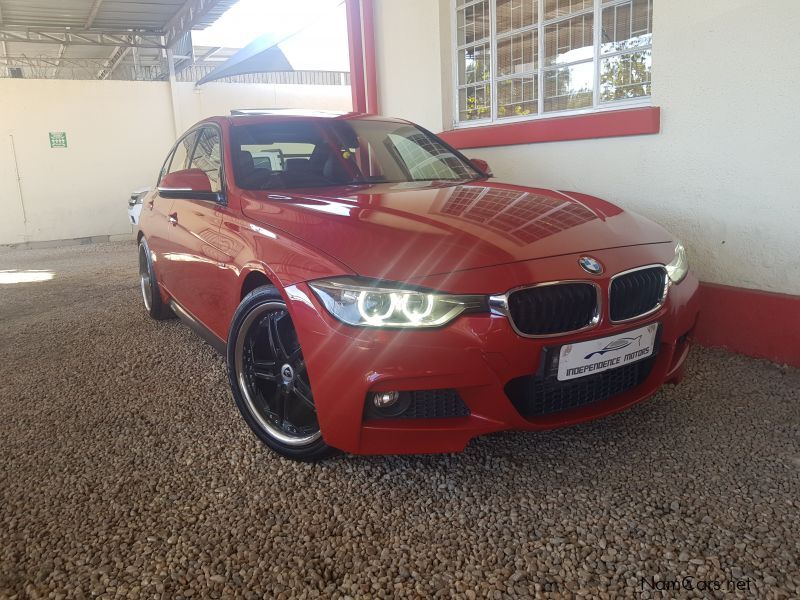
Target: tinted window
x: 208, y: 157
x: 329, y: 152
x: 164, y: 167
x: 182, y: 151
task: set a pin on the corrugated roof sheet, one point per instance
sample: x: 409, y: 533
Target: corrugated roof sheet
x: 66, y: 19
x: 102, y: 14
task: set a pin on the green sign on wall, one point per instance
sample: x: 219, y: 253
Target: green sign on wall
x: 58, y: 139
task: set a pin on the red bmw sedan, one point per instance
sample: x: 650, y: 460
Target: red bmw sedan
x: 374, y: 292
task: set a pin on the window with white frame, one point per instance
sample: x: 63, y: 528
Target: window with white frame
x: 523, y: 59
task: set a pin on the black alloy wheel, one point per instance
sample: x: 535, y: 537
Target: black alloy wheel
x: 269, y: 377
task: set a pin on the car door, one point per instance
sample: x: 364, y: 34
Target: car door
x: 157, y: 210
x: 197, y: 249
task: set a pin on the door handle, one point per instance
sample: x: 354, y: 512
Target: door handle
x: 173, y: 218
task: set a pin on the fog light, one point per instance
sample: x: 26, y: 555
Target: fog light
x: 385, y: 399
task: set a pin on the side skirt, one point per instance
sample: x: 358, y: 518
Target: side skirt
x: 200, y: 329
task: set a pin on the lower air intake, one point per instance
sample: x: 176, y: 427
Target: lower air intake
x: 539, y: 396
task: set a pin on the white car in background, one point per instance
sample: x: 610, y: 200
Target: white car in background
x: 135, y: 204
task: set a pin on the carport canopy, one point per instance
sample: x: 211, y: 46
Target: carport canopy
x: 47, y: 34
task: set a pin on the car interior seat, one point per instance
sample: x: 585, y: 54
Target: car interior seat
x: 294, y: 165
x: 246, y: 172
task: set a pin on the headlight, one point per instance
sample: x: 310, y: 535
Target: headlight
x: 369, y: 303
x: 679, y: 266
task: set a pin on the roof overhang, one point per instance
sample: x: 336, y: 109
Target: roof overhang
x: 118, y: 23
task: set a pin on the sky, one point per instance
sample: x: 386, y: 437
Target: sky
x: 314, y: 32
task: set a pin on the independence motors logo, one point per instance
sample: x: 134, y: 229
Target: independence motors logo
x: 614, y: 345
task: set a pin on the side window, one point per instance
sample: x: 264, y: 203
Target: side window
x: 182, y: 152
x: 208, y: 157
x: 165, y: 166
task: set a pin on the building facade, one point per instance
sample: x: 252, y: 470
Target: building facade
x: 681, y: 111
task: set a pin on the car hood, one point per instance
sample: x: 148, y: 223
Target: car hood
x: 407, y: 231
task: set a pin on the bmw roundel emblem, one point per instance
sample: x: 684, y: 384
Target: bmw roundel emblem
x: 590, y: 265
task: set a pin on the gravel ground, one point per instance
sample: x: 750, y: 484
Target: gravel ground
x: 125, y: 470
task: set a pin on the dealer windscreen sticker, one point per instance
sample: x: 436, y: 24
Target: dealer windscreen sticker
x: 596, y: 356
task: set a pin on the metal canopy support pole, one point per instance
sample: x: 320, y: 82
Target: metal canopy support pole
x: 19, y: 187
x: 173, y: 91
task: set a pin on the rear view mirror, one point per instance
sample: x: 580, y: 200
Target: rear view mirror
x: 482, y: 166
x: 192, y: 184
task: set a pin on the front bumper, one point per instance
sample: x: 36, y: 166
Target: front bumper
x: 476, y: 354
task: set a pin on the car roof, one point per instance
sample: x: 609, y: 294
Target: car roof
x: 254, y: 116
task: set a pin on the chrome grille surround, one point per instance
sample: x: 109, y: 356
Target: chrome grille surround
x: 660, y: 301
x: 499, y: 305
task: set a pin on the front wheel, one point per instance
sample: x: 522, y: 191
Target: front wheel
x: 269, y: 378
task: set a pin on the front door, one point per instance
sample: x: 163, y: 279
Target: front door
x: 197, y: 250
x: 157, y: 211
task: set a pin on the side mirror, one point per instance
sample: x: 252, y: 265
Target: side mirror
x: 482, y: 166
x: 192, y: 184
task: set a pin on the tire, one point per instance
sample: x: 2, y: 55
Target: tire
x: 269, y: 379
x: 151, y: 294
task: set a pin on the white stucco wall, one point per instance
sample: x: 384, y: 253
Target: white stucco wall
x: 408, y: 58
x: 724, y: 173
x: 118, y: 133
x: 196, y: 103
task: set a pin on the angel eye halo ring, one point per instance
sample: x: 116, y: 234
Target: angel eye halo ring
x: 371, y: 303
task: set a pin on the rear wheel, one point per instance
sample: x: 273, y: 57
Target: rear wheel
x: 148, y: 284
x: 269, y: 378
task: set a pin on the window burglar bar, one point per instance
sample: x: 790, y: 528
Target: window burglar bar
x: 526, y: 59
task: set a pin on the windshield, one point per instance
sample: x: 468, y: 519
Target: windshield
x: 315, y: 153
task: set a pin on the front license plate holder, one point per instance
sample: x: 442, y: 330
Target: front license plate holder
x: 602, y: 354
